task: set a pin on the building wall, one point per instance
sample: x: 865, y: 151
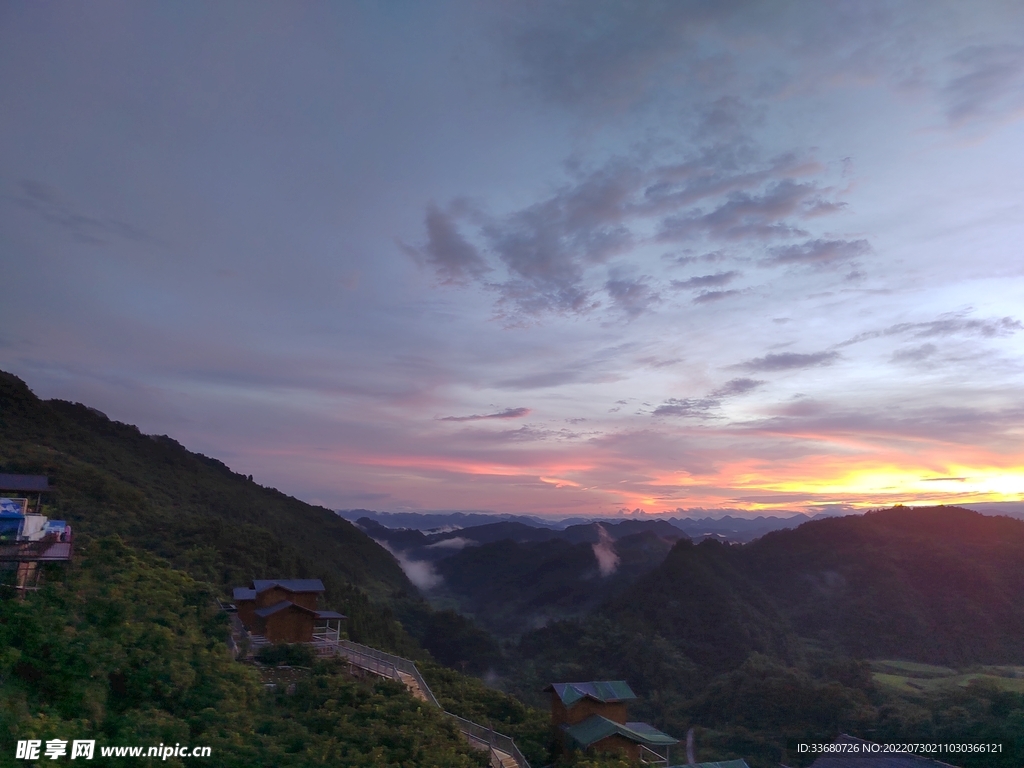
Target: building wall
x: 305, y: 599
x: 289, y: 626
x: 584, y: 708
x: 618, y: 745
x: 246, y: 613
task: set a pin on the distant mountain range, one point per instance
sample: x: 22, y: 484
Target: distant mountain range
x: 439, y: 525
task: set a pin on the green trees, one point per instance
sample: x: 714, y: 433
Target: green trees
x: 129, y: 651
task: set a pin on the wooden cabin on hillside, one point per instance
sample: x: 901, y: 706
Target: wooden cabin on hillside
x: 592, y: 716
x: 285, y: 611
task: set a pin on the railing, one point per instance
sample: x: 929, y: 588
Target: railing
x: 390, y: 666
x: 256, y: 642
x: 400, y: 665
x: 491, y: 738
x: 48, y: 549
x: 357, y: 654
x: 653, y: 758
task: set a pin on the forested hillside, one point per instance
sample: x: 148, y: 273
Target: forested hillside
x: 122, y: 647
x: 768, y: 643
x: 221, y: 527
x: 942, y: 585
x: 126, y: 651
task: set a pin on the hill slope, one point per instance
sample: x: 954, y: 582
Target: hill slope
x: 940, y: 585
x: 109, y: 478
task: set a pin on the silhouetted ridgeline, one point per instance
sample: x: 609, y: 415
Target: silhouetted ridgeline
x: 942, y: 585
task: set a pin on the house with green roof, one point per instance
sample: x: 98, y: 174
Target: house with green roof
x: 592, y: 716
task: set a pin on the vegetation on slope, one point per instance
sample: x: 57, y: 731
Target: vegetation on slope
x: 128, y: 651
x: 192, y: 510
x: 766, y: 644
x: 511, y: 587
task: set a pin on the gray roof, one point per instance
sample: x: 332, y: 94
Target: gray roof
x: 330, y: 615
x: 602, y: 690
x: 243, y: 593
x: 283, y: 605
x: 33, y: 483
x: 292, y: 585
x: 595, y: 728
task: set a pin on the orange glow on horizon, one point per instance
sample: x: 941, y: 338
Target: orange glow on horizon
x: 862, y: 480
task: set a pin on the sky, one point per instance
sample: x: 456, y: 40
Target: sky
x: 557, y: 258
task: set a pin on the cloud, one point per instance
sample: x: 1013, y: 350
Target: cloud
x: 914, y: 354
x: 737, y: 387
x: 604, y: 551
x: 704, y: 407
x: 420, y: 572
x: 788, y: 361
x: 508, y: 413
x: 540, y: 259
x: 989, y: 83
x: 633, y: 297
x: 602, y: 54
x: 820, y: 252
x: 47, y: 201
x: 706, y: 296
x: 747, y: 215
x: 951, y: 324
x: 687, y: 407
x: 457, y: 542
x: 945, y: 424
x: 455, y: 260
x: 706, y: 281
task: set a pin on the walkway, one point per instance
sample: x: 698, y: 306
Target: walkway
x: 503, y: 750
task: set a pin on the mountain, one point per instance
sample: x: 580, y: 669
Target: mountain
x: 434, y: 521
x: 511, y: 577
x: 192, y: 510
x: 510, y: 587
x: 763, y: 645
x: 938, y: 585
x: 735, y: 529
x: 942, y: 585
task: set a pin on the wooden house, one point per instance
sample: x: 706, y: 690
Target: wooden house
x: 592, y: 716
x: 285, y: 611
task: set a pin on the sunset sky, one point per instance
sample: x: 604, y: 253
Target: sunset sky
x: 550, y: 258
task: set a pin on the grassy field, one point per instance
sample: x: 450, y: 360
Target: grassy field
x: 919, y: 679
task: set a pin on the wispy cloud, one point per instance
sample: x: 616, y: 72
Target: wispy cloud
x: 633, y: 297
x: 988, y: 82
x: 789, y: 361
x: 706, y: 407
x: 508, y: 413
x: 706, y: 296
x: 820, y: 252
x: 448, y: 252
x: 706, y: 281
x: 48, y: 202
x: 542, y: 259
x: 951, y: 324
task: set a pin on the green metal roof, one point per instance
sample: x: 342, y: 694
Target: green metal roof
x: 595, y: 728
x: 603, y: 690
